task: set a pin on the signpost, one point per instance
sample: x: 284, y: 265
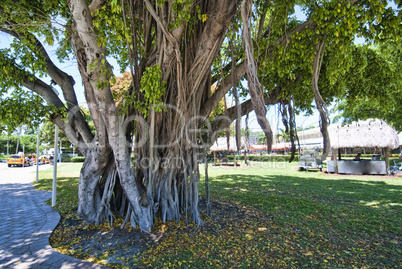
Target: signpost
x: 37, y: 157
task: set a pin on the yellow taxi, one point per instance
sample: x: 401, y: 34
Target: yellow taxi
x: 44, y: 159
x: 17, y: 160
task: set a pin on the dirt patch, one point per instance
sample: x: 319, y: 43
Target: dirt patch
x: 106, y: 244
x: 114, y: 246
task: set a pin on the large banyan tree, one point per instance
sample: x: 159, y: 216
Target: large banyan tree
x: 174, y: 51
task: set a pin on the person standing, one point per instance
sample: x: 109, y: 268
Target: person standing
x: 357, y: 157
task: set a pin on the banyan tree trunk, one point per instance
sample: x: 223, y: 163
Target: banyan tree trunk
x: 89, y: 189
x: 164, y: 181
x: 118, y: 188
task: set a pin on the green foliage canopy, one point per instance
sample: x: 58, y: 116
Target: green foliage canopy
x: 374, y: 85
x: 287, y: 64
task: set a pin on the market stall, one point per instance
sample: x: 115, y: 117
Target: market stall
x: 258, y: 149
x: 362, y: 135
x: 277, y: 148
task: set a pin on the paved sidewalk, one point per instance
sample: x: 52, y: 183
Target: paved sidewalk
x: 26, y: 224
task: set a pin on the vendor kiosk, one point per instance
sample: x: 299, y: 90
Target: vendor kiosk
x: 363, y: 135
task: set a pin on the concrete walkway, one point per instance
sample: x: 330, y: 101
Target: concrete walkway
x: 26, y: 224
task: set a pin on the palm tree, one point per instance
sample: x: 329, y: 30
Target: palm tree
x: 282, y: 136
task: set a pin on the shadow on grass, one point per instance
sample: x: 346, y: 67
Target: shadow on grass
x: 67, y: 193
x: 371, y: 205
x: 352, y: 221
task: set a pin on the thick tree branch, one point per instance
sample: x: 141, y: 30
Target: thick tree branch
x: 93, y: 54
x: 65, y: 81
x: 99, y: 97
x: 223, y: 121
x: 320, y: 103
x: 223, y: 88
x: 89, y: 91
x: 211, y: 40
x: 44, y: 90
x: 95, y: 5
x: 50, y: 96
x: 255, y: 88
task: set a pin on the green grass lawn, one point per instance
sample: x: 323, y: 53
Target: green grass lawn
x: 275, y: 216
x: 67, y: 186
x: 292, y: 194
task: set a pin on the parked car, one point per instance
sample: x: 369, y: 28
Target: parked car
x: 17, y: 160
x: 32, y: 158
x: 44, y: 159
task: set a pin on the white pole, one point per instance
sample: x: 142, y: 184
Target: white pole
x: 56, y: 132
x: 37, y: 157
x: 23, y: 155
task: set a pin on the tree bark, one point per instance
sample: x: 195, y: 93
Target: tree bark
x: 166, y: 187
x: 320, y: 103
x: 255, y: 87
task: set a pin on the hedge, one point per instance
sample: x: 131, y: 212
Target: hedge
x: 78, y: 159
x: 263, y: 158
x: 66, y: 160
x: 366, y: 155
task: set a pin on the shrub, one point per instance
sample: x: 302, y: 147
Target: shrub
x: 78, y: 159
x: 263, y: 158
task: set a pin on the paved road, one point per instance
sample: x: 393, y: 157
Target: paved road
x: 26, y: 223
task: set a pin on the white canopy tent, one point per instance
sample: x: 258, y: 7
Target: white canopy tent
x: 221, y: 144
